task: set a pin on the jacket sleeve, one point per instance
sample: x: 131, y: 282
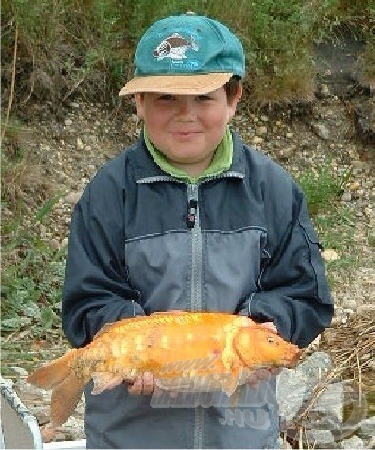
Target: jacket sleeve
x: 293, y: 290
x: 96, y: 289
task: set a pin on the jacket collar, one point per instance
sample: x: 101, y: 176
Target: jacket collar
x: 144, y: 167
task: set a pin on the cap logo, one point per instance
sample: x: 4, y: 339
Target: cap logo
x: 175, y: 47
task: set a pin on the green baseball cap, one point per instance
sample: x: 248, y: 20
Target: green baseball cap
x: 186, y: 54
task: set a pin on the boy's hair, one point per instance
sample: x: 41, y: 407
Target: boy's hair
x: 232, y: 87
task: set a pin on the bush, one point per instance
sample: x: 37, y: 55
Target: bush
x: 31, y: 278
x: 70, y: 47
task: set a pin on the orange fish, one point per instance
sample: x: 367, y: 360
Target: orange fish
x: 186, y: 351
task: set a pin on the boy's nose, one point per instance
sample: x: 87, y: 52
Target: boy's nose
x: 186, y: 108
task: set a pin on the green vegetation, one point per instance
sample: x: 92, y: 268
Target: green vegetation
x: 70, y: 47
x: 31, y: 277
x: 322, y: 187
x: 334, y: 222
x: 32, y: 271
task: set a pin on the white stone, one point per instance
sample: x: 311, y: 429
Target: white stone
x: 330, y: 255
x: 80, y: 144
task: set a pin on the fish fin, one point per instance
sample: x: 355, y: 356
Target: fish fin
x: 64, y: 399
x: 105, y: 380
x: 52, y: 374
x: 48, y: 433
x: 229, y: 385
x: 231, y: 380
x: 105, y: 328
x: 235, y: 397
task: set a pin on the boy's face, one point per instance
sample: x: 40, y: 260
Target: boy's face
x: 187, y: 128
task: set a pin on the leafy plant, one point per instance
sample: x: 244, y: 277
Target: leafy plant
x: 334, y: 222
x: 31, y: 278
x: 322, y: 187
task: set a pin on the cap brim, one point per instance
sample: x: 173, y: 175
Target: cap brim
x: 177, y: 84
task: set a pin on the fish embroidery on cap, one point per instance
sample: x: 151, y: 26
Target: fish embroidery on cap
x: 175, y: 47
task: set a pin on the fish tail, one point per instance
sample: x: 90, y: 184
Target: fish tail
x: 64, y: 399
x: 53, y: 373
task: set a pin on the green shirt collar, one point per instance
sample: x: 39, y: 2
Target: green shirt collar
x: 221, y: 161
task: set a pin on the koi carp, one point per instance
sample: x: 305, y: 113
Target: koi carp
x: 189, y: 351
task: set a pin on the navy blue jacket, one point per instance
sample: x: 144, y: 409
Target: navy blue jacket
x: 247, y: 247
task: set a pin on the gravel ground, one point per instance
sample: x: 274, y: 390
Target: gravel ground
x: 70, y: 149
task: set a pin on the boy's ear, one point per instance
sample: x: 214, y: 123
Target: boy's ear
x: 233, y: 103
x: 139, y: 103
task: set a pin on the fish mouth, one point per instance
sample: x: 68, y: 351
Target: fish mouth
x: 292, y: 357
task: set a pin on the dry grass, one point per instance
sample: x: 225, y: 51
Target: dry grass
x: 286, y: 88
x: 22, y: 177
x: 352, y: 346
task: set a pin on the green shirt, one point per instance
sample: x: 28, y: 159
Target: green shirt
x: 221, y: 161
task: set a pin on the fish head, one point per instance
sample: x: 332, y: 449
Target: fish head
x: 259, y: 347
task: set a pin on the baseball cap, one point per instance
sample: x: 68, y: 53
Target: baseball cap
x: 186, y: 54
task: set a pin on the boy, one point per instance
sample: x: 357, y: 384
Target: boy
x: 190, y: 218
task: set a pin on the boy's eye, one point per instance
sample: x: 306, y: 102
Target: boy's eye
x: 203, y: 98
x: 166, y: 97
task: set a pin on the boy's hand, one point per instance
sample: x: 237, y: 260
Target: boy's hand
x: 143, y: 384
x: 269, y: 325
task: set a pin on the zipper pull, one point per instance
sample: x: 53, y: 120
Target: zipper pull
x: 192, y: 212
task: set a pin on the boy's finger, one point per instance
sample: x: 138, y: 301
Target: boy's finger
x: 136, y: 387
x: 148, y: 383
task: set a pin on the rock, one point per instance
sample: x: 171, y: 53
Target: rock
x: 318, y: 438
x: 284, y: 153
x: 54, y: 243
x: 80, y: 145
x: 371, y: 443
x: 365, y: 121
x: 321, y: 130
x: 354, y: 186
x: 346, y: 197
x: 352, y: 443
x: 349, y: 305
x: 294, y: 386
x: 367, y: 428
x: 323, y: 90
x: 20, y: 371
x: 260, y: 131
x: 330, y: 255
x: 366, y: 309
x: 257, y: 140
x: 73, y: 197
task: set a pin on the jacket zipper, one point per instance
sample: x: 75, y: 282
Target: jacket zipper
x: 193, y: 223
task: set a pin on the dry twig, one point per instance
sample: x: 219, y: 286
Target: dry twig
x: 11, y: 94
